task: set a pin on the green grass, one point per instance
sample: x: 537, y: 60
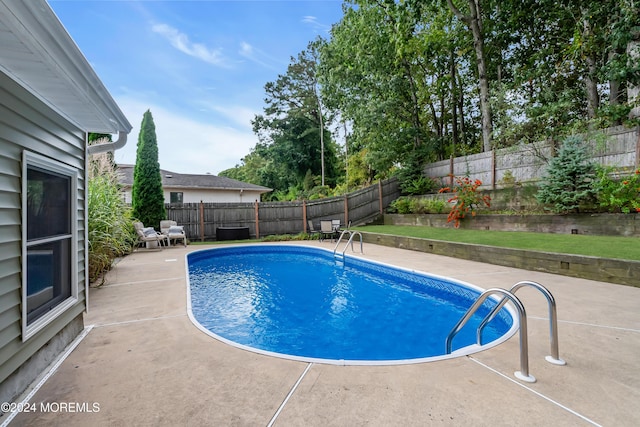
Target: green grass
x: 627, y: 248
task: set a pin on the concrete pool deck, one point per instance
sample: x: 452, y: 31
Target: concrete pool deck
x: 144, y: 363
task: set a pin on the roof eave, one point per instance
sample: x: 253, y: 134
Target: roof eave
x: 35, y: 24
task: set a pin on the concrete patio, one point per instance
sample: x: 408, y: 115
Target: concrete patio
x: 144, y: 363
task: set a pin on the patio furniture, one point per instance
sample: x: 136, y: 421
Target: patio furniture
x: 326, y: 229
x: 310, y: 229
x: 232, y: 233
x: 149, y: 236
x: 173, y: 231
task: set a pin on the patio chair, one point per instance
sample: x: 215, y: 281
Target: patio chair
x: 173, y: 231
x: 326, y: 229
x: 149, y: 234
x: 335, y: 223
x: 310, y: 229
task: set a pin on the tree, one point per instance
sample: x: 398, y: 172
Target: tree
x: 473, y: 20
x: 292, y: 133
x: 147, y: 195
x: 569, y: 182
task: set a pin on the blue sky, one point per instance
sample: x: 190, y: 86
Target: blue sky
x: 199, y: 66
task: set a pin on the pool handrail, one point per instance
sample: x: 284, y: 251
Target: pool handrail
x: 351, y: 235
x: 523, y: 373
x: 554, y: 357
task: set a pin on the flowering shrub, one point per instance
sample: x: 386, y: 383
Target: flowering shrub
x: 466, y: 198
x: 621, y: 195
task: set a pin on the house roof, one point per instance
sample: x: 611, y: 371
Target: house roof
x: 193, y: 181
x: 40, y: 55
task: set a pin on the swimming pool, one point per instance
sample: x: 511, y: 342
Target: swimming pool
x: 300, y: 303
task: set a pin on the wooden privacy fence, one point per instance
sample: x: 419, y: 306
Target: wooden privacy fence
x: 200, y: 220
x: 618, y: 147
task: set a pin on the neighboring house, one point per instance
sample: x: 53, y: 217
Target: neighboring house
x: 50, y: 99
x: 189, y: 188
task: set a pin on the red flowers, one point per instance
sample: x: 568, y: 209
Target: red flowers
x: 466, y: 199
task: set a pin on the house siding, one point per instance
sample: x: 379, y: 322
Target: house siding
x: 212, y: 196
x: 26, y: 123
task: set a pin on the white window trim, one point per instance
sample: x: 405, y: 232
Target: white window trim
x: 33, y: 159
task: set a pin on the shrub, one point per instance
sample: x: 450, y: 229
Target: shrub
x: 569, y: 180
x: 412, y: 205
x: 401, y: 205
x: 466, y: 199
x: 618, y: 195
x: 417, y: 186
x: 110, y: 228
x: 427, y: 206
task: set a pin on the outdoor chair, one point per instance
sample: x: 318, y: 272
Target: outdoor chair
x: 173, y: 231
x: 326, y: 229
x: 149, y: 234
x: 335, y: 223
x: 310, y: 229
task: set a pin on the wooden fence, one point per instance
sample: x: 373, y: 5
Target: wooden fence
x: 618, y: 147
x: 200, y: 220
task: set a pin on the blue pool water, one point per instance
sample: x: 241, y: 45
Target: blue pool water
x: 299, y: 302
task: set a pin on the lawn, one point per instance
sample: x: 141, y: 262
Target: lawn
x: 578, y: 244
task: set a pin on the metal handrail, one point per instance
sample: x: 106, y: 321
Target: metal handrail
x: 523, y: 374
x: 553, y: 319
x: 351, y: 235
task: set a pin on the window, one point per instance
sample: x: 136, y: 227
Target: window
x: 175, y: 197
x: 49, y: 215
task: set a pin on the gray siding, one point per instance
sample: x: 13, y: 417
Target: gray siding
x: 26, y: 123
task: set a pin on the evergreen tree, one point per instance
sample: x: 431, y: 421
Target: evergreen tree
x: 568, y: 183
x: 147, y: 195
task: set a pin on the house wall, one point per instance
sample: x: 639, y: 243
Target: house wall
x: 26, y: 123
x: 206, y: 196
x: 209, y: 196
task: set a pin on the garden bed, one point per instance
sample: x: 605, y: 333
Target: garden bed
x: 627, y: 225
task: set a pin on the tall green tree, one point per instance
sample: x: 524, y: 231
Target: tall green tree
x: 292, y: 131
x: 473, y: 19
x: 147, y: 195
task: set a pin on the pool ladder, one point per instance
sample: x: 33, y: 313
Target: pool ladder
x: 523, y: 373
x: 352, y: 234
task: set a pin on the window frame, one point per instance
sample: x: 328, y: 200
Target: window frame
x: 181, y: 197
x: 30, y: 159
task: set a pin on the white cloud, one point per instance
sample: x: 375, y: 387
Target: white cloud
x: 258, y: 56
x: 241, y: 116
x: 185, y: 145
x: 181, y: 42
x: 313, y: 22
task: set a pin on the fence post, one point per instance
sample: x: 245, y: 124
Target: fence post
x: 257, y: 221
x: 638, y: 148
x: 493, y: 169
x: 304, y: 216
x: 451, y: 171
x: 201, y: 221
x: 346, y: 210
x: 380, y: 195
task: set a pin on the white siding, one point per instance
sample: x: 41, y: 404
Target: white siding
x: 213, y: 196
x: 206, y: 196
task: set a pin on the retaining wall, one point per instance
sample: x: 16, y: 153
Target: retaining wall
x: 602, y: 269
